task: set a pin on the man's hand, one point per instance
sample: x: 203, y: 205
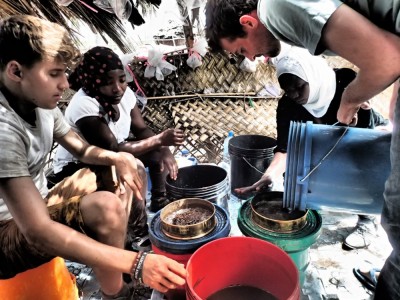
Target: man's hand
x: 347, y: 113
x: 127, y: 172
x: 162, y: 273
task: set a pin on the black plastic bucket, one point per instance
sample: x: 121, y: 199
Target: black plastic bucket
x: 250, y: 156
x: 207, y: 182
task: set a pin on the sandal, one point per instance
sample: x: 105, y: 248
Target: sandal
x: 141, y: 244
x: 369, y: 279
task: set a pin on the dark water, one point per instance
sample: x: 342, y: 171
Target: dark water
x: 242, y: 292
x: 273, y: 209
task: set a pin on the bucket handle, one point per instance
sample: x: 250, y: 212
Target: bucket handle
x: 326, y: 155
x: 252, y: 166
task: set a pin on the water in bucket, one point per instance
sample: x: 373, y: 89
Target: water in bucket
x: 240, y: 292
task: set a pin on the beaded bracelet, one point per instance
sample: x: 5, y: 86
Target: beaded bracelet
x: 135, y: 263
x: 138, y: 274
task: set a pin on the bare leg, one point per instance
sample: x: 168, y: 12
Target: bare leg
x: 137, y: 222
x: 105, y: 214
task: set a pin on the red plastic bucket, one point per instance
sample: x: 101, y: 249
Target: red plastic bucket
x: 180, y: 258
x: 179, y: 292
x: 243, y: 261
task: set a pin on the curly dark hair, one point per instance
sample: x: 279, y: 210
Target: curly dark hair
x: 222, y: 20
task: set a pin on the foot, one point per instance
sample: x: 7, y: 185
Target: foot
x: 368, y: 278
x: 361, y: 235
x: 126, y: 293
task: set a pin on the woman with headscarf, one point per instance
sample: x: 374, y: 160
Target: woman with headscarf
x: 312, y: 92
x: 104, y: 111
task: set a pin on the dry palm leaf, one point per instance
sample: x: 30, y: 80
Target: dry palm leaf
x: 99, y: 20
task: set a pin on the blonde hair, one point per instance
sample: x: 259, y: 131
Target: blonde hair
x: 29, y: 39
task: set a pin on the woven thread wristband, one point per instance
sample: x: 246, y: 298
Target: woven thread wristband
x: 135, y: 263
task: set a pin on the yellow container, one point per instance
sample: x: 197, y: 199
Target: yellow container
x: 50, y: 281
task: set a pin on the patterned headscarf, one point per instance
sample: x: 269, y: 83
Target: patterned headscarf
x: 91, y: 74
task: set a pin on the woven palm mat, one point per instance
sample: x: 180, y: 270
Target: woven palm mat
x: 217, y: 74
x: 206, y: 121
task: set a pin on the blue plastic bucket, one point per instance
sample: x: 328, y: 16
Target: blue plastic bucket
x: 349, y: 178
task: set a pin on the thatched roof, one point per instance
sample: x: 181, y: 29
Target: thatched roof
x: 100, y: 21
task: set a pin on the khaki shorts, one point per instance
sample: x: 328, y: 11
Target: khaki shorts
x: 16, y: 254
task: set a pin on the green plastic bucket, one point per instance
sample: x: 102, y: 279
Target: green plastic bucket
x: 295, y: 244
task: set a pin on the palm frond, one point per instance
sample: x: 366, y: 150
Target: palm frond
x: 102, y: 22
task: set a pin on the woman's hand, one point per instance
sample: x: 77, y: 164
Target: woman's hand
x: 169, y: 162
x: 264, y: 182
x: 162, y: 273
x: 172, y: 137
